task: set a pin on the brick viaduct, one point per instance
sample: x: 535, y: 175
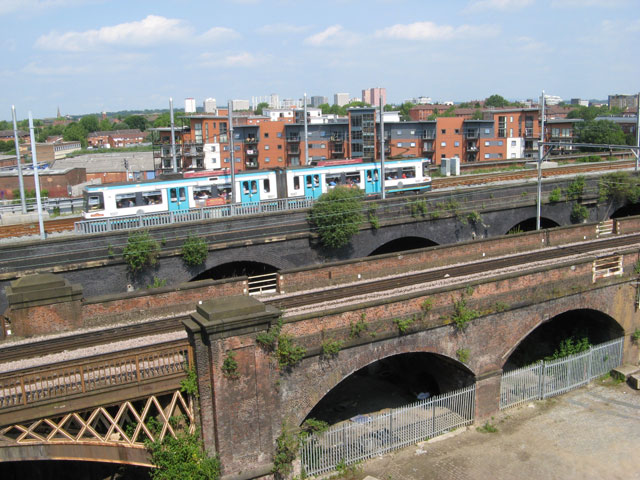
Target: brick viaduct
x: 86, y: 260
x: 242, y: 417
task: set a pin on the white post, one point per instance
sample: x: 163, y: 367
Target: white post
x: 540, y: 157
x: 306, y: 133
x: 18, y: 161
x: 36, y: 180
x: 382, y: 149
x: 233, y: 165
x: 174, y: 162
x: 637, y: 131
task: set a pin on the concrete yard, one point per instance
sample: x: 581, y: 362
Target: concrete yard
x: 591, y: 433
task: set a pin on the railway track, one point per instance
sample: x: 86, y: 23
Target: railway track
x: 574, y: 169
x: 82, y: 340
x: 68, y: 224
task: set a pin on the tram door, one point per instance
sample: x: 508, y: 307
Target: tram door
x: 178, y: 199
x: 249, y: 191
x: 312, y: 186
x: 372, y: 184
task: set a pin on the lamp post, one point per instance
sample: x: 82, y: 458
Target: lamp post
x: 540, y: 158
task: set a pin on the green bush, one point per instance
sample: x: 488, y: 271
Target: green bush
x: 287, y: 352
x: 194, y: 251
x: 182, y: 457
x: 331, y: 348
x: 570, y: 346
x: 463, y: 354
x: 358, y: 327
x: 555, y: 195
x: 337, y: 216
x: 158, y: 283
x: 189, y: 385
x: 620, y: 187
x: 230, y: 365
x: 576, y: 188
x: 462, y: 314
x: 403, y: 324
x: 140, y: 251
x: 579, y: 213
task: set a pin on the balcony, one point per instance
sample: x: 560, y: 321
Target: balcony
x: 528, y: 132
x: 251, y: 164
x: 337, y: 148
x: 293, y: 149
x: 472, y: 157
x: 427, y: 147
x: 251, y: 151
x: 293, y: 138
x: 502, y: 133
x: 429, y: 135
x: 474, y: 133
x: 472, y: 147
x: 251, y: 140
x: 337, y: 137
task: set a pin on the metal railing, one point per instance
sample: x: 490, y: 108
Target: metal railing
x: 49, y: 204
x: 555, y: 377
x: 146, y: 220
x: 37, y: 386
x: 366, y: 436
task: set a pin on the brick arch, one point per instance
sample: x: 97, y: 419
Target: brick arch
x: 266, y: 256
x: 347, y: 363
x: 77, y: 451
x: 555, y: 309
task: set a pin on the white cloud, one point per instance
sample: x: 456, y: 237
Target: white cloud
x: 334, y: 35
x: 152, y: 30
x: 504, y: 5
x: 220, y: 33
x: 531, y: 45
x: 55, y: 70
x: 240, y: 60
x: 281, y: 28
x: 431, y: 31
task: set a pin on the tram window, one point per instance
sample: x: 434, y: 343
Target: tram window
x: 296, y: 183
x: 332, y: 180
x: 125, y: 200
x: 183, y: 194
x: 94, y: 202
x: 353, y: 178
x: 202, y: 193
x: 368, y: 175
x: 316, y: 180
x: 173, y: 195
x: 245, y: 187
x: 375, y: 175
x: 254, y: 186
x: 266, y: 185
x: 408, y: 172
x: 152, y: 198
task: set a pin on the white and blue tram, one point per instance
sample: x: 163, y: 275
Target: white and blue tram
x: 211, y: 188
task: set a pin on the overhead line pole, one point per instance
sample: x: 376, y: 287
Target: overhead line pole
x: 36, y: 180
x: 540, y: 159
x: 638, y: 132
x: 174, y: 162
x: 382, y: 149
x: 233, y: 165
x: 18, y: 161
x: 306, y: 133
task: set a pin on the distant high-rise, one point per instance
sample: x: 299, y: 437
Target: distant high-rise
x: 372, y: 96
x: 317, y: 100
x: 623, y: 101
x: 189, y: 105
x: 274, y: 101
x: 239, y: 105
x: 340, y: 99
x: 209, y: 105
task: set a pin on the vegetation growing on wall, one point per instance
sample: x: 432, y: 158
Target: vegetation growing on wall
x: 141, y: 251
x: 337, y: 216
x: 194, y: 251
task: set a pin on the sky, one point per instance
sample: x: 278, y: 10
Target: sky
x: 87, y: 56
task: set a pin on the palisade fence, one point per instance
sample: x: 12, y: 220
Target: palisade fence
x: 366, y: 436
x: 555, y: 377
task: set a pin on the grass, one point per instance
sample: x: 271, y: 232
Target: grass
x: 487, y: 428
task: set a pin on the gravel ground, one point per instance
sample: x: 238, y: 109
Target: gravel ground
x: 591, y: 433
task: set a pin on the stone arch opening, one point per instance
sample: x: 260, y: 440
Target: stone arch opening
x: 236, y: 269
x: 627, y: 211
x: 403, y: 244
x: 596, y: 326
x: 391, y: 382
x: 529, y: 225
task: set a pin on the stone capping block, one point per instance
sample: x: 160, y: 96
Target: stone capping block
x: 231, y: 316
x: 41, y: 289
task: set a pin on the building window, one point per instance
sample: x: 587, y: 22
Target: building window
x: 487, y: 143
x: 225, y: 148
x: 413, y: 132
x: 443, y: 144
x: 413, y: 144
x: 266, y: 135
x: 236, y: 148
x: 486, y: 155
x: 456, y: 144
x: 267, y: 159
x: 279, y: 147
x: 226, y: 160
x: 279, y: 159
x: 279, y: 134
x: 500, y: 143
x: 513, y: 143
x: 266, y: 147
x: 399, y: 144
x: 510, y: 119
x: 443, y: 131
x: 511, y: 132
x: 442, y: 155
x: 457, y: 131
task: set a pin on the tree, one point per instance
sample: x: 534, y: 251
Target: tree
x: 325, y: 108
x: 8, y: 146
x: 163, y: 120
x: 75, y: 131
x: 261, y: 106
x: 136, y: 121
x: 105, y: 125
x: 337, y: 216
x: 90, y: 123
x: 603, y: 132
x: 404, y: 111
x: 477, y: 114
x: 496, y: 101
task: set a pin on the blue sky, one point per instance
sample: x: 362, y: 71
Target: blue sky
x: 92, y: 55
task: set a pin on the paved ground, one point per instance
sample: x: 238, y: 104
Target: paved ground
x: 591, y: 433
